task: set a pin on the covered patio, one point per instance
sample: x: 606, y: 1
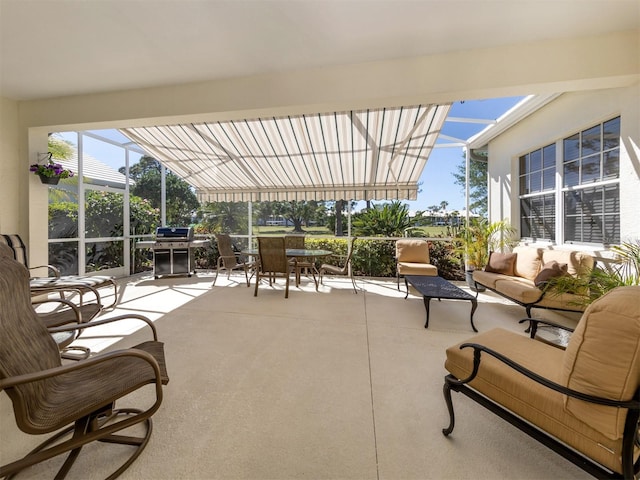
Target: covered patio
x: 326, y: 384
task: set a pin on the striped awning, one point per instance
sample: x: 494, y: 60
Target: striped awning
x: 376, y: 154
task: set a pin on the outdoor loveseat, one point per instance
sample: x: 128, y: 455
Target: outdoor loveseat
x: 521, y: 276
x: 583, y: 402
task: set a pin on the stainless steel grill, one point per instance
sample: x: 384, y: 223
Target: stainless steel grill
x: 173, y: 251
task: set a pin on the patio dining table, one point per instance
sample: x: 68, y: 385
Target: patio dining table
x: 307, y: 253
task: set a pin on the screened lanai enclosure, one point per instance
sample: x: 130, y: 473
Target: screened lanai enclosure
x: 232, y: 175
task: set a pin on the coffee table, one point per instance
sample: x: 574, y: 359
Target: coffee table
x: 437, y: 287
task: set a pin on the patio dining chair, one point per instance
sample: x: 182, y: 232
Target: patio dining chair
x: 56, y: 282
x: 345, y: 269
x: 272, y: 262
x: 76, y: 400
x: 301, y: 263
x: 229, y: 260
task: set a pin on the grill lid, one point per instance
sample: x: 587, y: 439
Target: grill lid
x: 174, y: 233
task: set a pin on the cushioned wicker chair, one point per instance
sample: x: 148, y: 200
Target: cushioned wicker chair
x: 345, y: 269
x: 76, y: 400
x: 412, y: 258
x: 56, y: 282
x: 582, y: 402
x: 272, y: 262
x: 229, y: 260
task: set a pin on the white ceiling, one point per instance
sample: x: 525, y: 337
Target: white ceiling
x: 51, y: 48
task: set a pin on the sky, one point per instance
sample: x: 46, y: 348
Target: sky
x: 436, y: 182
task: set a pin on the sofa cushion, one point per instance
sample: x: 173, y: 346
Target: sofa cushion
x: 501, y: 263
x: 603, y: 359
x: 535, y: 403
x: 488, y: 279
x: 550, y: 270
x: 409, y: 268
x: 578, y: 263
x: 412, y: 251
x: 563, y: 301
x: 528, y: 261
x: 518, y: 289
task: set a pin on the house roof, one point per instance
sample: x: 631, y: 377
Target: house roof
x: 94, y: 171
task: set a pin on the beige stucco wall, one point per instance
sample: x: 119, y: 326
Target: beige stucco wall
x: 576, y: 64
x: 569, y: 114
x: 532, y: 68
x: 9, y: 167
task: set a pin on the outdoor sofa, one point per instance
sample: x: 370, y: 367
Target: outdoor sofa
x: 521, y: 276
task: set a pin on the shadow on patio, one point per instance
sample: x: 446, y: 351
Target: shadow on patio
x: 323, y: 385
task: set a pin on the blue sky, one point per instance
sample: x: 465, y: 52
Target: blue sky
x: 437, y: 182
x: 437, y: 178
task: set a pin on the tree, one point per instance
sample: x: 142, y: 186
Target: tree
x: 227, y: 217
x: 477, y: 184
x: 339, y: 206
x: 333, y: 216
x: 299, y: 213
x: 146, y: 165
x: 262, y: 211
x: 386, y: 220
x: 181, y: 200
x: 60, y: 148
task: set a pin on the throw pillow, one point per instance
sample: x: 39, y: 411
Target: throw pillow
x: 550, y: 270
x: 501, y: 263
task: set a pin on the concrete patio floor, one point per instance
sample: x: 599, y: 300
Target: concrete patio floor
x: 322, y: 385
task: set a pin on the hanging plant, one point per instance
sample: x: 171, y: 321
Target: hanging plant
x: 50, y: 172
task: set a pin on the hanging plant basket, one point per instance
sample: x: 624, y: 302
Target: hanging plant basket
x: 50, y: 172
x: 49, y: 180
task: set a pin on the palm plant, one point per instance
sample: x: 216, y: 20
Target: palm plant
x: 387, y: 220
x: 629, y: 255
x: 479, y: 238
x: 625, y: 271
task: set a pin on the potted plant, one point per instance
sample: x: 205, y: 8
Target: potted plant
x: 478, y: 239
x: 50, y: 172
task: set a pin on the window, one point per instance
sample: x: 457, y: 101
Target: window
x: 537, y: 193
x: 589, y: 193
x: 591, y: 190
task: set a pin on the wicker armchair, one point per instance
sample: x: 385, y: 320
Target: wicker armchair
x: 272, y: 262
x: 76, y: 400
x: 344, y: 270
x: 228, y: 259
x: 56, y: 282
